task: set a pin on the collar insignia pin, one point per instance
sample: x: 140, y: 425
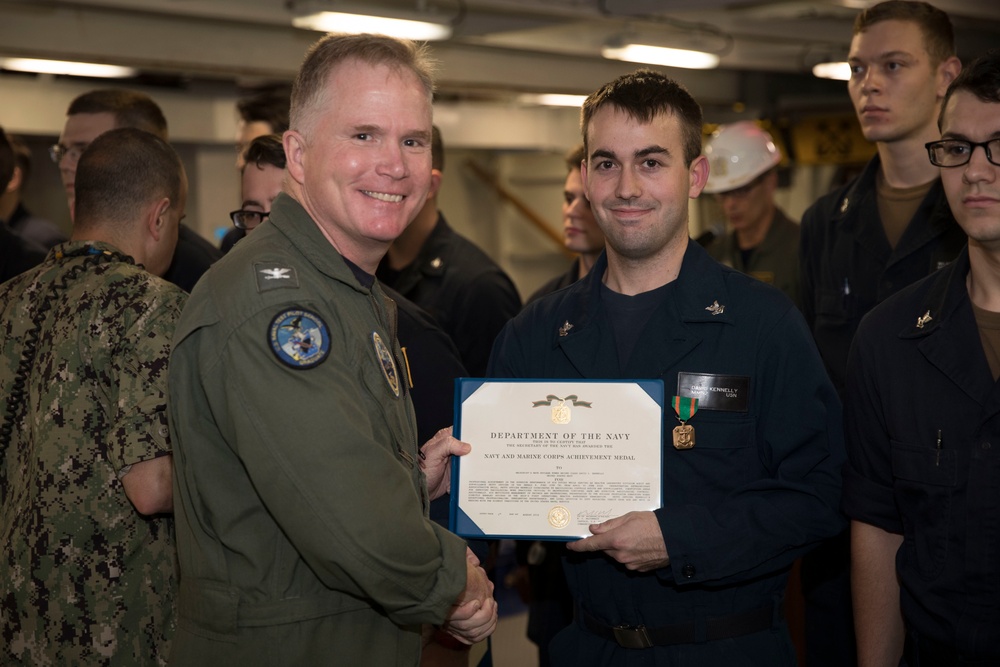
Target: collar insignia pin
x: 924, y: 319
x: 715, y: 308
x: 564, y: 329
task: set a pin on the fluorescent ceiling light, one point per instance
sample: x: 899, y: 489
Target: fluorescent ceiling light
x: 403, y: 28
x: 838, y: 71
x: 660, y: 55
x: 68, y: 68
x: 552, y: 99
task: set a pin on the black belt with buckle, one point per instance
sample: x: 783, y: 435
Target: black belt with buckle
x: 723, y: 627
x: 923, y: 652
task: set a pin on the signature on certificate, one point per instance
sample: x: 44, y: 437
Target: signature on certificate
x: 594, y: 516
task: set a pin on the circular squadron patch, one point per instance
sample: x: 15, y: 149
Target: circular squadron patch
x: 387, y: 363
x: 299, y: 338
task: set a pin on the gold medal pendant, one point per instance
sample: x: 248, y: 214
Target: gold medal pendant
x: 683, y: 436
x: 684, y: 407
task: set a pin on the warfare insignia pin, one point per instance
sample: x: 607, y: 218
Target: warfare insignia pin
x: 924, y: 319
x: 299, y: 338
x: 715, y: 308
x: 387, y: 363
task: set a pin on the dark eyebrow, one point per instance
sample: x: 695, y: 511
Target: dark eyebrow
x: 602, y: 153
x: 895, y: 54
x: 885, y: 55
x: 957, y: 136
x: 652, y: 150
x: 643, y: 152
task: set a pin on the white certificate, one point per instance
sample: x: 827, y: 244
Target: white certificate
x: 551, y: 457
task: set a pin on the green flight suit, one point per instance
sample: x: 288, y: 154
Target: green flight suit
x: 775, y: 261
x: 301, y: 511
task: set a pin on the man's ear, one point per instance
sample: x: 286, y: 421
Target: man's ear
x: 948, y: 71
x: 436, y: 176
x: 294, y: 144
x: 15, y: 180
x: 154, y: 217
x: 698, y: 172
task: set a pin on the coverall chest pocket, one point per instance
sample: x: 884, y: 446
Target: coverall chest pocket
x: 925, y: 480
x: 385, y: 395
x: 836, y: 307
x: 721, y: 460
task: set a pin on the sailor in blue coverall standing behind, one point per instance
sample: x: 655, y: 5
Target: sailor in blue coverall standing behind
x: 922, y: 487
x: 699, y: 581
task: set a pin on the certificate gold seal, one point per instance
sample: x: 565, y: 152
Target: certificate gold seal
x: 559, y: 517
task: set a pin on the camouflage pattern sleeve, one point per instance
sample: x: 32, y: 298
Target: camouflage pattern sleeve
x: 139, y: 422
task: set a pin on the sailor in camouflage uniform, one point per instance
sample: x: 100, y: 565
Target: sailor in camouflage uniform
x: 86, y: 551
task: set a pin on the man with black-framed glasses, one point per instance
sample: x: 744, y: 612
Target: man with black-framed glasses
x: 923, y: 422
x: 261, y: 176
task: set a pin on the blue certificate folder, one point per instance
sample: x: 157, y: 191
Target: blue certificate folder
x: 557, y: 414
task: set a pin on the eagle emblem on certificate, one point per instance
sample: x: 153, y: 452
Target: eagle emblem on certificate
x: 561, y: 413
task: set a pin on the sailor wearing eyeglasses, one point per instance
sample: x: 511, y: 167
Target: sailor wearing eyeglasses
x: 261, y: 176
x: 923, y: 422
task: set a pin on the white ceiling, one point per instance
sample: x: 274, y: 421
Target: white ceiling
x: 500, y: 46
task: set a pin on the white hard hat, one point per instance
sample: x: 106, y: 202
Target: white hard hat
x: 737, y: 154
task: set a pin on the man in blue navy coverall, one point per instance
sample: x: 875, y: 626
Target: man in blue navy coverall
x: 700, y: 580
x: 923, y: 423
x: 884, y: 230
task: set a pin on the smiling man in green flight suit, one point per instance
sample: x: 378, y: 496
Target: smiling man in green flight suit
x: 302, y: 496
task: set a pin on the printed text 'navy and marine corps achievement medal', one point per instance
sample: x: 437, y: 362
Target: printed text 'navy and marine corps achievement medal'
x: 560, y: 411
x: 299, y: 338
x: 387, y: 363
x: 684, y: 408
